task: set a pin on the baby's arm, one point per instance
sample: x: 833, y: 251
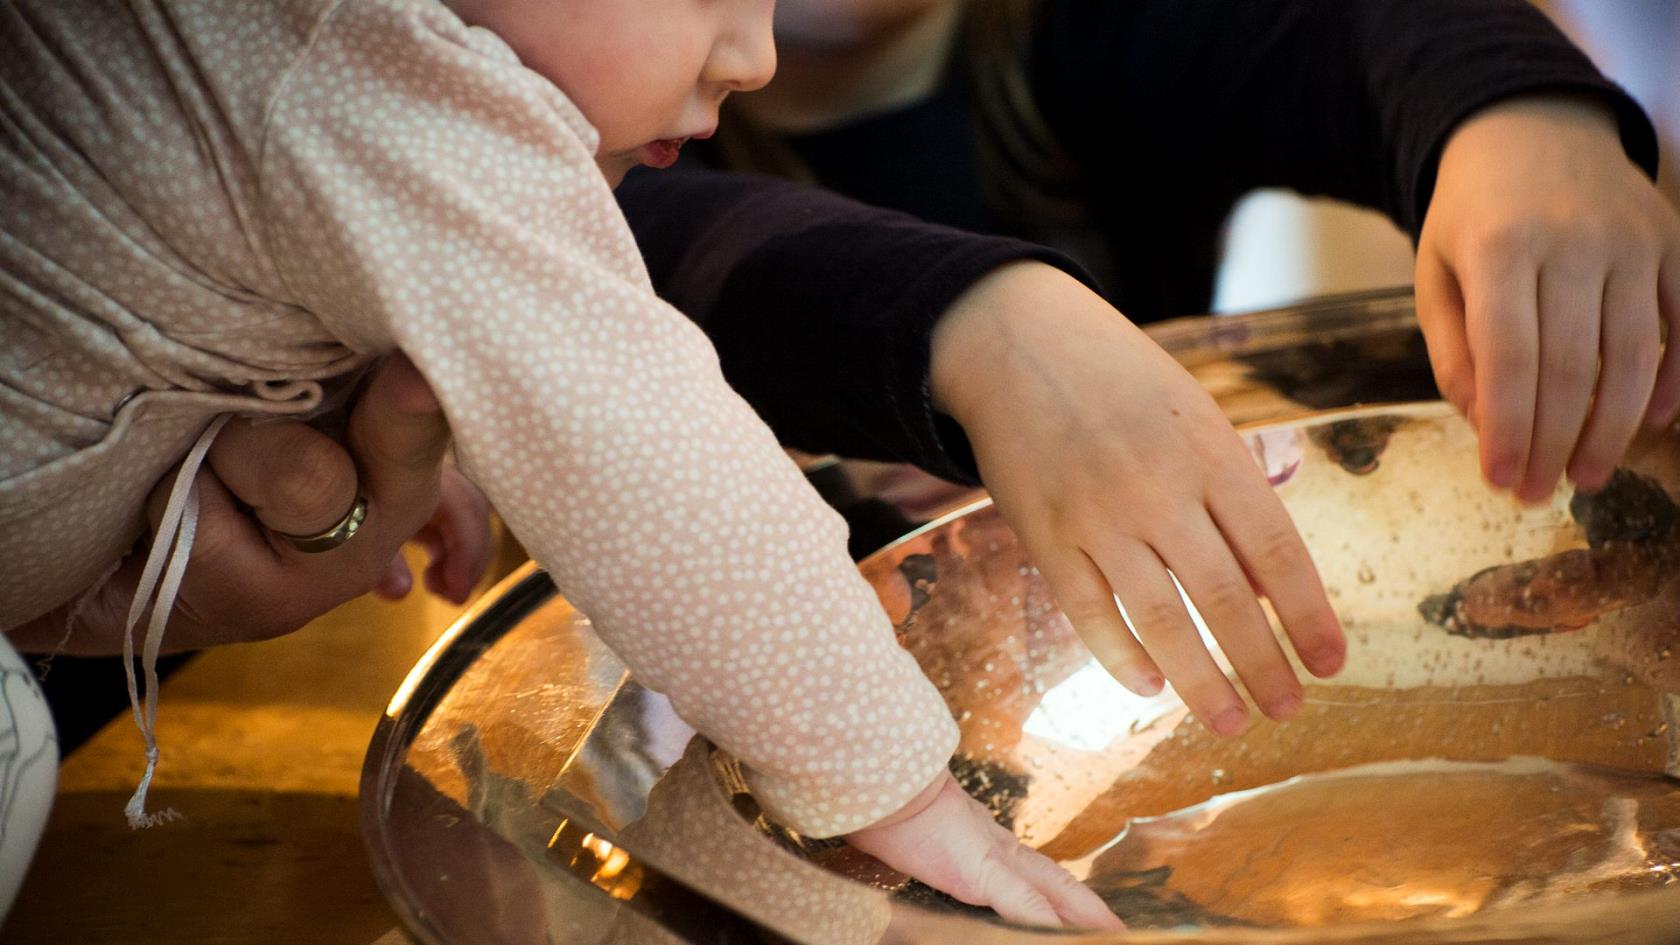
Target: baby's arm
x: 1102, y: 453
x: 425, y: 191
x: 445, y: 202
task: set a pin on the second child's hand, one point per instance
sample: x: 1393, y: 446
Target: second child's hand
x: 1547, y: 268
x: 1114, y: 467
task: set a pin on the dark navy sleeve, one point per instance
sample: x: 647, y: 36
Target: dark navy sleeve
x: 821, y: 308
x: 1347, y: 98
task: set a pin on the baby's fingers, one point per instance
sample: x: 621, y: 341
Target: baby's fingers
x: 1571, y: 299
x: 952, y: 843
x: 1260, y: 532
x: 1074, y: 902
x: 999, y: 884
x: 1631, y: 339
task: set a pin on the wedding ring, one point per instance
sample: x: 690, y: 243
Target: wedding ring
x: 334, y: 536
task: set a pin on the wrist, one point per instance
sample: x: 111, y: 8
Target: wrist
x: 983, y: 326
x: 923, y: 800
x: 1557, y: 117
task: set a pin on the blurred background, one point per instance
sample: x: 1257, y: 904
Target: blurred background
x: 1282, y: 247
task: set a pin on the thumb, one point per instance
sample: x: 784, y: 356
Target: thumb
x: 399, y: 436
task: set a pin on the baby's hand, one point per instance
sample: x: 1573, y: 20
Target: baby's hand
x: 1113, y: 465
x: 1544, y: 263
x: 947, y: 840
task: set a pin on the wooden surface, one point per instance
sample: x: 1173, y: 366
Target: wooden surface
x: 262, y: 749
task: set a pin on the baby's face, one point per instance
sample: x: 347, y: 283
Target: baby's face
x: 648, y: 74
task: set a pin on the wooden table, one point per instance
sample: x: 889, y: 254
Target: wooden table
x: 262, y: 749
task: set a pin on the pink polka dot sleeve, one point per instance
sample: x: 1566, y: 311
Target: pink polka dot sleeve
x: 422, y: 189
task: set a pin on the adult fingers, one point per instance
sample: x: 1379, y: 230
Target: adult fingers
x: 1629, y: 345
x: 1257, y: 528
x: 1665, y: 398
x: 1220, y: 590
x: 1571, y: 301
x: 1501, y: 321
x: 398, y: 436
x: 296, y: 479
x: 236, y: 589
x: 1088, y: 602
x: 1164, y: 628
x: 1440, y: 310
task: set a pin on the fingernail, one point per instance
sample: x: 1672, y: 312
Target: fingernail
x: 1148, y: 685
x: 1285, y: 708
x: 1231, y: 722
x: 1590, y: 480
x: 1326, y: 660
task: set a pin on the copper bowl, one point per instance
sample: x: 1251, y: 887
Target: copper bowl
x: 1494, y: 764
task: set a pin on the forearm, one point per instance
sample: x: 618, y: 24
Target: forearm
x: 1352, y: 99
x: 821, y: 308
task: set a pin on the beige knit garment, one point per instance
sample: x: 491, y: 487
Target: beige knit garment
x: 217, y: 206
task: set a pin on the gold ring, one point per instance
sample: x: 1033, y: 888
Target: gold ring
x: 334, y: 536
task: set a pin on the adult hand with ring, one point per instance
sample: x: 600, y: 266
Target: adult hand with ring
x: 292, y: 524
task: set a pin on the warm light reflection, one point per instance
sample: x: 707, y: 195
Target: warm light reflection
x: 1088, y: 710
x: 613, y: 860
x: 597, y: 860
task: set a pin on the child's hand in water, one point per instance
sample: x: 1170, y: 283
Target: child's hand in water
x: 1546, y: 267
x: 946, y: 839
x: 1113, y: 465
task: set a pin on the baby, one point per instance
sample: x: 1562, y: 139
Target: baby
x: 218, y: 207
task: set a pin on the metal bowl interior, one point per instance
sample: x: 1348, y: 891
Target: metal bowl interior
x: 1489, y: 766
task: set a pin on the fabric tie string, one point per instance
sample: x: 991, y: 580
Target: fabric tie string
x: 170, y: 551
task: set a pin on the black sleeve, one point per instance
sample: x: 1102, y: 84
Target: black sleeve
x: 821, y: 308
x: 1346, y: 98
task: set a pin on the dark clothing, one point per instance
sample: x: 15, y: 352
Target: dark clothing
x: 1171, y: 110
x: 821, y: 308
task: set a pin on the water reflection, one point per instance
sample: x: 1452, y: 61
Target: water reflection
x: 1395, y: 840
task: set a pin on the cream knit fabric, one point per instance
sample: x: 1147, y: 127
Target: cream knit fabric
x: 218, y: 206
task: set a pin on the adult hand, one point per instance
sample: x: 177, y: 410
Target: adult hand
x: 1114, y: 466
x: 1547, y: 266
x: 946, y: 839
x: 267, y: 478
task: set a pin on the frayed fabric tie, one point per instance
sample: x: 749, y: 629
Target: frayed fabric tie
x: 167, y: 559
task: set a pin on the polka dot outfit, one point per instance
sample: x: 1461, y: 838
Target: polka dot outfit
x: 692, y: 833
x: 219, y: 206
